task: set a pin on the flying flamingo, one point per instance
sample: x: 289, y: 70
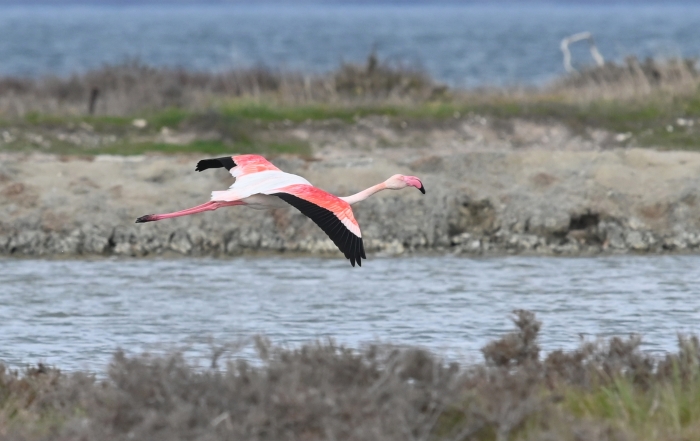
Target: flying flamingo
x: 260, y: 185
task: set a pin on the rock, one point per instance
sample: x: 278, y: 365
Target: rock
x: 639, y: 240
x: 94, y: 241
x: 613, y: 235
x: 473, y: 246
x: 569, y: 248
x: 523, y: 242
x: 27, y: 242
x: 469, y: 215
x: 677, y: 242
x: 549, y: 225
x: 460, y: 238
x: 394, y: 248
x: 180, y: 242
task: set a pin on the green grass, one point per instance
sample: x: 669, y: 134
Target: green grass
x: 318, y: 112
x: 647, y: 120
x: 49, y: 120
x: 210, y: 147
x: 665, y: 410
x: 168, y: 118
x: 241, y: 121
x: 198, y: 146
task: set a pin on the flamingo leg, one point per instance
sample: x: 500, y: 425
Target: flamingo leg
x: 209, y: 206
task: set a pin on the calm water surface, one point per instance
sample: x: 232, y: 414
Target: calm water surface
x: 74, y: 314
x: 462, y: 45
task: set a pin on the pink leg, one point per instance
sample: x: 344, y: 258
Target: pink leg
x: 209, y: 206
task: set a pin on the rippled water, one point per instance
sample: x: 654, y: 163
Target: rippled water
x: 463, y: 45
x: 74, y: 313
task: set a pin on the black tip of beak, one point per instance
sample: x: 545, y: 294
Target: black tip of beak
x: 422, y: 188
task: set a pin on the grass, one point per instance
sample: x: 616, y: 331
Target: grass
x: 244, y: 110
x: 665, y: 410
x: 642, y: 101
x: 269, y: 112
x: 209, y: 147
x: 604, y: 390
x: 652, y: 121
x: 647, y: 119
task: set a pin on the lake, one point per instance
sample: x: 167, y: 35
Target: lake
x: 468, y: 45
x: 75, y: 313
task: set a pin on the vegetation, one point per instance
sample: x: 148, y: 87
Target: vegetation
x: 602, y: 391
x: 649, y: 104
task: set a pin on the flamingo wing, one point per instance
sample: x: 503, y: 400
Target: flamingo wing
x: 329, y: 212
x: 238, y: 165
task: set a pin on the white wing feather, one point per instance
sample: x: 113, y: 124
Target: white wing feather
x: 263, y: 182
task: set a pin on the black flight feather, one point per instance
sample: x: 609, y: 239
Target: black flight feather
x: 350, y: 245
x: 226, y: 162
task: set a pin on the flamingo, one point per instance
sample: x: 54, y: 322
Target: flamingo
x: 260, y: 185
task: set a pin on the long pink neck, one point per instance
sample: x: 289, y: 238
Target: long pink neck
x: 364, y: 194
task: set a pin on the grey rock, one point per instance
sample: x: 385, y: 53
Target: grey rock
x: 613, y: 235
x: 95, y: 244
x: 635, y: 240
x: 180, y: 242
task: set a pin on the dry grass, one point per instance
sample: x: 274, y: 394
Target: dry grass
x: 631, y: 80
x: 131, y: 88
x: 602, y: 391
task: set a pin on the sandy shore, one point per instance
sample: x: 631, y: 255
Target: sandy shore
x: 534, y: 188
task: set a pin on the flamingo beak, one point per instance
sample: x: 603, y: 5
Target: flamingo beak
x: 415, y: 182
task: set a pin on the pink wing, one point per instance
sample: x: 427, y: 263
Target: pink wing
x: 329, y: 212
x: 247, y: 164
x: 238, y: 165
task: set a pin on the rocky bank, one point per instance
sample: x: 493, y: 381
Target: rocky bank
x: 527, y: 189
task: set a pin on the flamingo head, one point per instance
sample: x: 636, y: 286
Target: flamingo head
x: 398, y: 182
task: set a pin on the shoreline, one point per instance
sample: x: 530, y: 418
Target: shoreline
x: 266, y: 254
x: 479, y: 202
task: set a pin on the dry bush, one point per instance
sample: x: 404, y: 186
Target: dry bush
x: 517, y: 348
x: 318, y: 391
x: 324, y: 391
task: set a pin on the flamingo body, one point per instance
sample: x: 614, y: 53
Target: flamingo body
x: 259, y: 184
x: 263, y: 182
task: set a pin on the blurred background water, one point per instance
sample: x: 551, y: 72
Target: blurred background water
x: 75, y: 313
x: 463, y: 45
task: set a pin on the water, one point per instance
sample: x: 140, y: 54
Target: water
x: 462, y: 45
x: 74, y: 313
